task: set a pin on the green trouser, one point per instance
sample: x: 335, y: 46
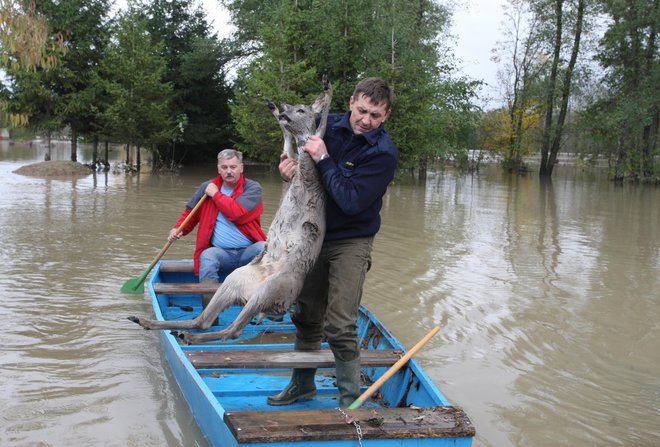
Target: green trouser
x: 328, y: 306
x: 329, y: 300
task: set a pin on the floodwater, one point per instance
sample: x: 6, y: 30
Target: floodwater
x: 548, y: 297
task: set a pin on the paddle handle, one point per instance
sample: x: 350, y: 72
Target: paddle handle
x: 183, y: 224
x: 393, y: 369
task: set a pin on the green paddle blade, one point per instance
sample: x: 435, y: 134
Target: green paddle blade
x: 135, y: 285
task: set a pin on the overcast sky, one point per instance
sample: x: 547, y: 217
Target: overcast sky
x: 477, y: 27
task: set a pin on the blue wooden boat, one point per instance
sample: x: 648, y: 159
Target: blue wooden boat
x: 226, y: 383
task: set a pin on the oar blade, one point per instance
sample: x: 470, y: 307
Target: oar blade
x: 134, y: 285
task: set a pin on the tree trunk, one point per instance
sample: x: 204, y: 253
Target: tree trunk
x: 650, y: 142
x: 47, y: 155
x: 95, y: 151
x: 137, y: 157
x: 422, y: 170
x: 545, y: 169
x: 650, y: 133
x: 74, y: 143
x: 566, y: 86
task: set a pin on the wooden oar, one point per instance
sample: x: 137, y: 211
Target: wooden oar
x: 393, y: 369
x: 136, y: 285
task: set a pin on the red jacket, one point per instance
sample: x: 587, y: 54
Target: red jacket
x: 243, y: 209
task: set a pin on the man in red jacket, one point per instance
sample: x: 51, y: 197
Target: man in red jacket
x: 229, y: 234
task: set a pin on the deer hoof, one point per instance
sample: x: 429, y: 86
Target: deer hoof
x: 270, y: 104
x: 178, y: 334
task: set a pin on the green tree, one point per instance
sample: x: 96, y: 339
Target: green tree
x: 203, y: 78
x: 523, y: 62
x: 289, y: 44
x: 626, y: 114
x: 32, y: 98
x: 25, y: 40
x: 66, y: 94
x: 26, y: 43
x: 136, y: 109
x: 558, y: 91
x: 195, y: 67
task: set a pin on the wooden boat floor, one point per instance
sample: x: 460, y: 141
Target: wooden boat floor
x: 284, y: 358
x: 375, y: 423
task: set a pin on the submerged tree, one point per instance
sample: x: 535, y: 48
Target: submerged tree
x: 137, y: 98
x: 67, y: 94
x: 523, y: 63
x: 627, y: 112
x: 558, y: 85
x: 196, y: 69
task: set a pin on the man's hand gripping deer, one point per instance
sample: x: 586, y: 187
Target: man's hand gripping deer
x: 272, y: 281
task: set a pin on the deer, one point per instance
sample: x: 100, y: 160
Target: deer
x: 273, y: 280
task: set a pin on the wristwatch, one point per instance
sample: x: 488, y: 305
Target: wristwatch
x: 323, y: 157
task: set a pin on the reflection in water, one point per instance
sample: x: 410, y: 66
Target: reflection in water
x: 546, y: 294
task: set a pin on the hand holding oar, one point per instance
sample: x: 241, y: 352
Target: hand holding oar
x: 390, y: 372
x: 136, y: 285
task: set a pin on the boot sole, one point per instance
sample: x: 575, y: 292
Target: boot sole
x: 305, y: 396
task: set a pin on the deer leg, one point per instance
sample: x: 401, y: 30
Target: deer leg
x: 322, y: 103
x: 224, y: 297
x: 280, y: 291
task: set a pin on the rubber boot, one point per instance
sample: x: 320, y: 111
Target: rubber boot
x: 348, y: 381
x: 301, y: 386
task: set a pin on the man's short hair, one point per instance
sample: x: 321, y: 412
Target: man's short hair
x: 227, y: 154
x: 376, y: 89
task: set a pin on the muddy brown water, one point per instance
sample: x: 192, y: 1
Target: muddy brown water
x: 548, y: 297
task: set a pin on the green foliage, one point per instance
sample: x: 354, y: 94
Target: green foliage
x: 261, y: 136
x: 618, y: 115
x: 206, y: 99
x: 136, y: 105
x: 627, y: 113
x: 25, y: 40
x: 195, y: 68
x: 291, y: 43
x: 26, y: 44
x: 65, y: 94
x: 523, y: 60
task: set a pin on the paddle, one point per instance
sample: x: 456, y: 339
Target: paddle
x: 136, y: 285
x: 390, y: 372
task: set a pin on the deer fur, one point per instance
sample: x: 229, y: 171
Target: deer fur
x: 272, y: 281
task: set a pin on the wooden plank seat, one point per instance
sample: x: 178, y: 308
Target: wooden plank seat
x: 177, y: 267
x: 375, y: 423
x: 283, y: 358
x: 191, y: 288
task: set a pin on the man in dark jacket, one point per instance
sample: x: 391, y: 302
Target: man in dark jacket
x: 356, y: 160
x: 229, y: 234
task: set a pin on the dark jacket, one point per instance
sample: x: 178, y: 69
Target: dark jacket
x: 355, y: 177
